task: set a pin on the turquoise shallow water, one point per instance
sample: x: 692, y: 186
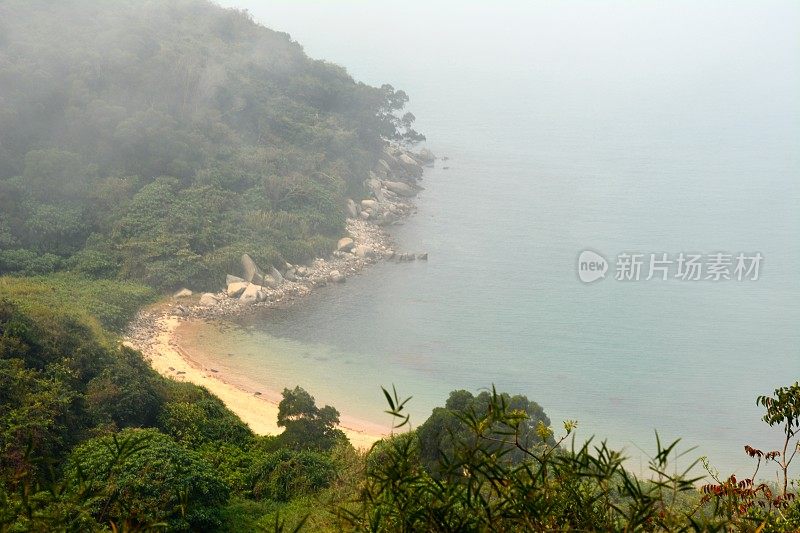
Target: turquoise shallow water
x: 644, y: 129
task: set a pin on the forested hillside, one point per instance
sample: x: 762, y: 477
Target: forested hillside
x: 158, y: 141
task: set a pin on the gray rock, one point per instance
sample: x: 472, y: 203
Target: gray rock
x: 233, y: 279
x: 336, y: 277
x: 364, y: 215
x: 276, y: 275
x: 387, y: 219
x: 252, y: 273
x: 262, y: 295
x: 408, y: 161
x: 369, y: 204
x: 352, y: 210
x: 291, y: 275
x: 270, y: 282
x: 383, y: 168
x: 208, y: 299
x: 423, y: 257
x: 302, y: 271
x: 376, y: 189
x: 345, y: 244
x: 389, y: 158
x: 363, y: 251
x: 426, y: 156
x: 183, y: 293
x: 400, y: 188
x: 236, y: 288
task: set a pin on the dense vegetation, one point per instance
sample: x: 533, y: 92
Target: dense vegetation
x: 146, y: 145
x: 158, y: 141
x: 91, y: 437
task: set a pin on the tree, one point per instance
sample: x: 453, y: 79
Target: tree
x: 783, y: 409
x: 306, y: 425
x: 448, y: 427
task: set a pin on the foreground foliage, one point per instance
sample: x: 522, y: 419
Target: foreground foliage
x: 91, y: 438
x: 479, y: 484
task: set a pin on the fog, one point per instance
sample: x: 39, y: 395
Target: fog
x: 698, y: 53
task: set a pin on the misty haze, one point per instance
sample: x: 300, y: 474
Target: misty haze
x: 427, y: 266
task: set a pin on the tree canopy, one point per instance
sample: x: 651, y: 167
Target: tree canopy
x: 158, y: 141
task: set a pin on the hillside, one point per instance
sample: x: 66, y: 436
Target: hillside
x: 158, y: 141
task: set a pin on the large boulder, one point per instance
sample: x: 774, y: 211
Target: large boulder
x: 408, y: 162
x: 376, y: 189
x: 183, y: 293
x: 345, y: 244
x: 363, y: 251
x: 276, y: 275
x: 387, y: 218
x: 250, y: 294
x: 400, y: 188
x: 270, y: 282
x: 237, y: 288
x: 389, y: 158
x: 369, y: 204
x: 383, y: 168
x: 352, y: 210
x: 233, y: 279
x: 426, y: 156
x: 208, y: 299
x: 252, y: 273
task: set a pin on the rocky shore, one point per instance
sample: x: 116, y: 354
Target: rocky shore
x: 392, y: 185
x: 389, y: 193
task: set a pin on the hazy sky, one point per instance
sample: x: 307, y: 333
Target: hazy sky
x: 602, y: 36
x: 743, y: 56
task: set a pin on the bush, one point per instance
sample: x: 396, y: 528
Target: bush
x: 107, y: 303
x: 287, y: 474
x: 27, y: 262
x: 143, y: 477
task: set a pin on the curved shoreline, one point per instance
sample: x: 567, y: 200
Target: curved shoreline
x: 258, y: 411
x: 154, y: 331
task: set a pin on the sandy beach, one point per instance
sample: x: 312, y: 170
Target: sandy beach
x: 260, y: 412
x: 155, y: 331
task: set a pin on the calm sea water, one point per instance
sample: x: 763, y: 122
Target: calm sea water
x: 624, y: 127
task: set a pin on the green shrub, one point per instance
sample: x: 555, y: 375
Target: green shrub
x: 143, y: 477
x: 27, y: 262
x: 287, y: 474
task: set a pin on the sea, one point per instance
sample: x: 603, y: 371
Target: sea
x: 627, y: 129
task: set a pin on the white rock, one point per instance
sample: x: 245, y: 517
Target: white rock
x: 400, y: 188
x: 345, y: 244
x: 208, y: 299
x: 336, y: 276
x: 250, y: 294
x: 183, y: 293
x: 236, y: 288
x: 352, y: 210
x: 363, y: 251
